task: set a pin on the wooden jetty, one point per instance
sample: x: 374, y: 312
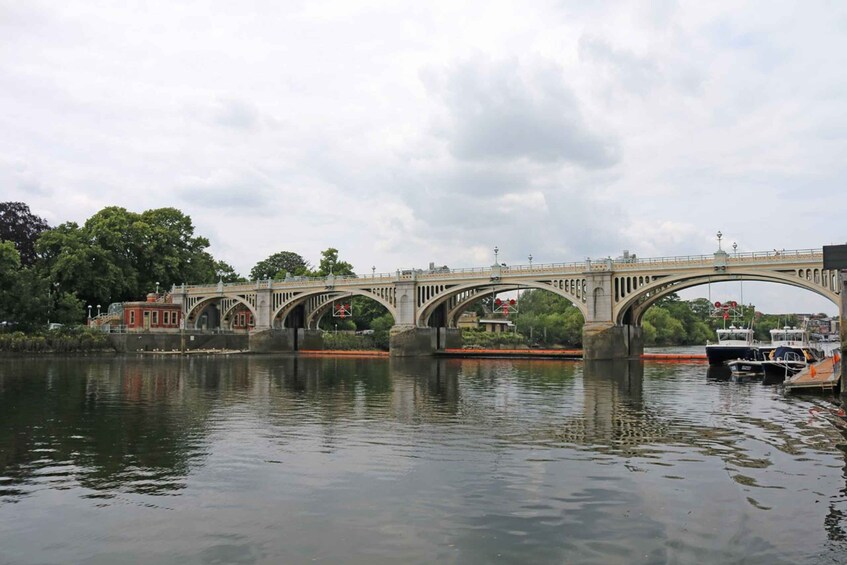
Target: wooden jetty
x: 821, y: 376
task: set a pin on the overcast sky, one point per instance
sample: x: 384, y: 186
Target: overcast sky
x: 404, y: 133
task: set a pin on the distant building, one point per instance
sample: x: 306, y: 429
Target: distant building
x: 468, y: 320
x: 156, y: 314
x: 496, y: 325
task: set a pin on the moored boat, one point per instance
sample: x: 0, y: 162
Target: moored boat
x: 785, y: 363
x: 733, y: 343
x: 746, y: 366
x: 789, y: 353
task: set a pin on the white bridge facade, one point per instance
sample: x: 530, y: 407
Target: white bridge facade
x: 610, y: 293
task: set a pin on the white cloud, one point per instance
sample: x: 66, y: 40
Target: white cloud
x: 408, y: 133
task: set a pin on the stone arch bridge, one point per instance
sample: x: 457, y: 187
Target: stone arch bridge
x: 612, y: 294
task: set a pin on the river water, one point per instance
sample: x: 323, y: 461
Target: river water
x: 274, y: 459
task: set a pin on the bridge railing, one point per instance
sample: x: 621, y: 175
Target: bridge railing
x: 748, y: 256
x: 534, y: 268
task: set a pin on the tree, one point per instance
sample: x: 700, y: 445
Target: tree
x: 331, y: 264
x: 366, y: 310
x: 278, y: 264
x: 167, y: 251
x: 668, y: 329
x: 10, y: 265
x: 226, y: 272
x: 119, y: 255
x: 548, y: 314
x: 22, y: 228
x: 28, y: 300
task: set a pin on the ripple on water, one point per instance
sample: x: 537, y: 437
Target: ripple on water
x: 264, y: 458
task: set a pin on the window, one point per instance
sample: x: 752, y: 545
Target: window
x: 166, y: 318
x: 132, y: 317
x: 155, y: 317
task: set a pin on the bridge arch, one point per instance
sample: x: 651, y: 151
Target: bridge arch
x: 225, y: 303
x: 321, y: 299
x: 631, y: 309
x: 460, y: 297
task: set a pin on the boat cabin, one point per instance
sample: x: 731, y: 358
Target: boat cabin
x: 735, y: 336
x: 789, y: 337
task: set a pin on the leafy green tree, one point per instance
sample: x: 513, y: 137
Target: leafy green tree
x: 381, y: 326
x: 668, y: 329
x: 10, y: 266
x: 365, y: 311
x: 30, y: 301
x: 548, y: 318
x: 20, y: 226
x: 166, y: 251
x: 278, y: 264
x: 226, y: 272
x: 331, y: 264
x: 119, y: 255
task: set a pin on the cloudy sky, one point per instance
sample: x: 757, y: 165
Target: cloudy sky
x: 404, y: 133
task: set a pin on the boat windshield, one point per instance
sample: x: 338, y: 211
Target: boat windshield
x: 789, y: 336
x: 735, y: 335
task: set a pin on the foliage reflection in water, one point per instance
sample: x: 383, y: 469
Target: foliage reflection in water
x: 262, y: 459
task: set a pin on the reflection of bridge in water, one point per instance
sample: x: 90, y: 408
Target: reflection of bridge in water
x: 611, y: 294
x: 132, y: 426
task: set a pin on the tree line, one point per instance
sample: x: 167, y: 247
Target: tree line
x: 543, y: 318
x: 54, y: 274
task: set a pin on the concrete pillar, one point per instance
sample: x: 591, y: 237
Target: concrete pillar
x: 405, y: 338
x: 268, y: 340
x: 309, y: 340
x: 606, y: 341
x: 601, y: 337
x: 179, y: 296
x: 263, y: 308
x: 406, y: 303
x: 599, y: 297
x: 409, y: 341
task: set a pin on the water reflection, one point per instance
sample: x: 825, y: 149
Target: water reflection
x: 521, y: 460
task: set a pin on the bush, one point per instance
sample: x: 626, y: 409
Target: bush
x: 349, y: 342
x: 61, y: 340
x: 479, y: 339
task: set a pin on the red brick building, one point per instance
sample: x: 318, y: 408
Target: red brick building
x: 153, y: 315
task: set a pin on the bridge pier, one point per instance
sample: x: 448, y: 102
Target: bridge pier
x: 284, y: 340
x: 268, y: 340
x: 411, y: 341
x: 608, y: 341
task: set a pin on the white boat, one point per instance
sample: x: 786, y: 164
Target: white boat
x: 733, y: 343
x: 790, y: 352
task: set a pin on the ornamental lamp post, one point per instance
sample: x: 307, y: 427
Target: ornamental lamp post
x: 373, y: 272
x: 530, y: 261
x: 157, y: 288
x: 89, y: 311
x: 720, y: 235
x: 98, y: 310
x: 496, y: 251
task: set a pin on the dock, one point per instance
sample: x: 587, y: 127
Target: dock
x: 821, y: 376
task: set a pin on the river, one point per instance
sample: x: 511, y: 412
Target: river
x: 275, y: 459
